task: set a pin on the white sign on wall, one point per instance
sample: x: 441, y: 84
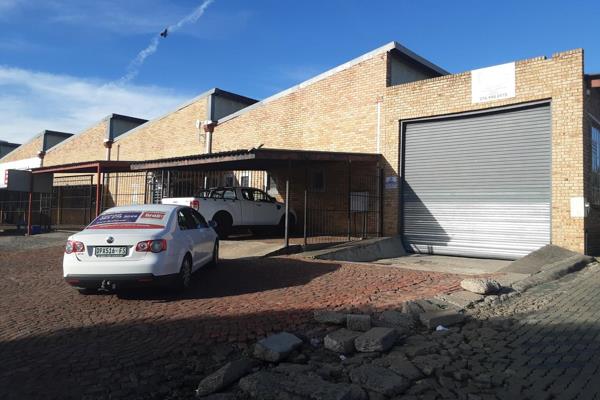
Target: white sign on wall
x: 493, y: 83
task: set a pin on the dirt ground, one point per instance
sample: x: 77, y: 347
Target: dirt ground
x: 56, y: 343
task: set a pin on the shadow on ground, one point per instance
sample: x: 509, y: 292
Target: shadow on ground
x: 233, y: 278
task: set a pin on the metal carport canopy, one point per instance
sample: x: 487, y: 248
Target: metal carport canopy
x: 256, y: 159
x: 253, y: 159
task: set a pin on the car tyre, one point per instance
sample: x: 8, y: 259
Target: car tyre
x: 224, y: 224
x: 215, y: 256
x: 184, y: 277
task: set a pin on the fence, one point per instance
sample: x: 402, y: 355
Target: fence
x: 333, y: 204
x: 345, y: 213
x: 73, y: 201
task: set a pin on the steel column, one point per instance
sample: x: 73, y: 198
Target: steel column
x: 98, y: 190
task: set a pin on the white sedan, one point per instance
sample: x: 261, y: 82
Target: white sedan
x: 140, y: 245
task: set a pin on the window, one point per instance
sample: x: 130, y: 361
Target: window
x: 595, y: 175
x: 317, y: 181
x: 256, y: 195
x: 184, y: 220
x: 228, y: 194
x: 199, y: 219
x: 229, y: 180
x: 245, y: 180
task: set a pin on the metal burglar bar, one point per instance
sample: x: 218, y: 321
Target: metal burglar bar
x: 345, y: 213
x: 73, y: 201
x: 148, y: 187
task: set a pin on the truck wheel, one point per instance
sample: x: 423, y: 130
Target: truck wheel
x: 281, y: 226
x: 224, y: 223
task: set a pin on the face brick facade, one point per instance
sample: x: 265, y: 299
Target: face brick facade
x: 26, y: 150
x: 355, y: 108
x: 172, y: 135
x: 559, y: 79
x: 86, y: 146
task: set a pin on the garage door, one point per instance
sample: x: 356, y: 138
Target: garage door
x: 478, y: 185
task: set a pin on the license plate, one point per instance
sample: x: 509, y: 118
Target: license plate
x: 111, y: 251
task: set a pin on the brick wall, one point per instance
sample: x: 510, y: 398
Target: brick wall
x: 337, y: 113
x: 85, y: 146
x: 173, y: 135
x: 26, y: 150
x: 559, y: 79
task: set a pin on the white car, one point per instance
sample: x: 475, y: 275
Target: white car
x: 140, y: 245
x: 236, y: 207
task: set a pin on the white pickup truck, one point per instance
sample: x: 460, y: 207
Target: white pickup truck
x: 235, y: 207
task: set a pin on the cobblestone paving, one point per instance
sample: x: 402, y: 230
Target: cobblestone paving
x: 553, y: 348
x: 55, y: 343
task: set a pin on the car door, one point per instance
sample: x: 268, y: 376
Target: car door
x: 207, y: 236
x: 190, y: 231
x: 266, y: 209
x: 248, y: 207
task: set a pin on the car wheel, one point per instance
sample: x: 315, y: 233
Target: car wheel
x: 215, y: 256
x: 185, y: 274
x: 224, y: 223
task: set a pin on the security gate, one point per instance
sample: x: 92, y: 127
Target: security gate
x: 478, y: 185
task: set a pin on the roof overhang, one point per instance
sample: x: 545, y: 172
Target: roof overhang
x: 253, y: 159
x: 85, y: 167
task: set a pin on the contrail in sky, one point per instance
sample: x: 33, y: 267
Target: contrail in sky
x: 134, y: 66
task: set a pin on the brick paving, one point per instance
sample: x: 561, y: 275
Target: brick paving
x: 552, y: 350
x: 55, y: 343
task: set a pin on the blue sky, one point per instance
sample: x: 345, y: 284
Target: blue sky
x: 61, y: 60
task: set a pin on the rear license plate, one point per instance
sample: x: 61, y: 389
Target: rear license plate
x: 111, y: 251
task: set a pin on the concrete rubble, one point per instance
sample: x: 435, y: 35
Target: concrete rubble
x: 396, y: 352
x: 481, y: 285
x: 276, y: 347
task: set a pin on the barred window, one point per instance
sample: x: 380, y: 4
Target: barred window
x: 595, y: 176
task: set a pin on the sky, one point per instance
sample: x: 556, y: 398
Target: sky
x: 65, y: 64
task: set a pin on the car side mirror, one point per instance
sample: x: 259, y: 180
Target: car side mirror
x: 272, y: 199
x: 212, y: 224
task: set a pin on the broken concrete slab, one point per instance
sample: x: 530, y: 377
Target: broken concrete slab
x: 543, y: 259
x: 401, y: 322
x: 276, y: 347
x: 481, y: 285
x: 330, y: 317
x: 376, y: 339
x: 341, y: 341
x: 379, y: 379
x: 225, y: 376
x: 272, y: 386
x: 417, y: 307
x: 399, y: 364
x: 358, y: 322
x: 461, y: 299
x: 446, y: 318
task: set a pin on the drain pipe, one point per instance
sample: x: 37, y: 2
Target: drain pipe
x: 209, y: 127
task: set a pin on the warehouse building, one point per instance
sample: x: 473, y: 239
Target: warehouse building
x: 15, y: 181
x: 493, y: 162
x: 7, y: 147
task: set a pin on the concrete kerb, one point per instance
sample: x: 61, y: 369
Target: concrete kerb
x: 553, y: 272
x: 361, y: 251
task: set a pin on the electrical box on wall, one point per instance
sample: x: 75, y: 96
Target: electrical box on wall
x: 579, y: 207
x: 23, y: 181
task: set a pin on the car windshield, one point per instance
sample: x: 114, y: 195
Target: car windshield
x: 134, y: 219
